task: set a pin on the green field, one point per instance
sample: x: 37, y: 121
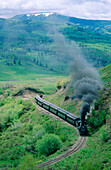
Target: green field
x: 47, y: 83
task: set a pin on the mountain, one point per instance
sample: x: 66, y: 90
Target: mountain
x: 31, y: 43
x: 43, y: 16
x: 102, y: 26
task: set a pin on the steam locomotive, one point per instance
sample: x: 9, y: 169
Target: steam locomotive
x: 67, y: 116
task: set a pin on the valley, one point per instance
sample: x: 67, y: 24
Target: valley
x: 29, y: 45
x: 36, y: 53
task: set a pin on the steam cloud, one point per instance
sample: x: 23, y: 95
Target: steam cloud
x: 85, y: 78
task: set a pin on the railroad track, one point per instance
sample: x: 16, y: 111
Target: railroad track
x: 73, y: 149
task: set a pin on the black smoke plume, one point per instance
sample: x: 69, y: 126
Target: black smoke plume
x: 85, y: 80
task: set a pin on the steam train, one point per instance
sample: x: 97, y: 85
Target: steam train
x: 67, y: 116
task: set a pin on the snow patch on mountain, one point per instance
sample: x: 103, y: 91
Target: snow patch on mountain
x: 46, y: 14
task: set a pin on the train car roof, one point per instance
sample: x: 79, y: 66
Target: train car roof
x: 61, y: 110
x: 72, y: 117
x: 56, y: 107
x: 71, y: 114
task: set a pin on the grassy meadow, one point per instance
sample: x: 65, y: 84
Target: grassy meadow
x: 47, y: 83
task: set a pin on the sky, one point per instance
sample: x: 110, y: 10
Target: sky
x: 87, y: 9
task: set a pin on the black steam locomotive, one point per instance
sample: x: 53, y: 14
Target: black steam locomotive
x: 67, y: 116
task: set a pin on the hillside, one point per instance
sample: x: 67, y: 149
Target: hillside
x: 28, y: 44
x: 96, y: 153
x: 23, y: 127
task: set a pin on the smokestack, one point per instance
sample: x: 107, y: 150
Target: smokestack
x: 85, y: 108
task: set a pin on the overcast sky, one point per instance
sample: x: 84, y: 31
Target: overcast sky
x: 88, y: 9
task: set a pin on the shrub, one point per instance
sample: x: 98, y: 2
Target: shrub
x: 29, y: 126
x: 49, y: 144
x: 2, y: 102
x: 27, y: 163
x: 20, y: 111
x: 64, y: 133
x: 8, y: 100
x: 38, y: 131
x: 89, y: 165
x: 5, y: 122
x: 7, y: 93
x: 105, y: 136
x: 97, y: 119
x: 28, y: 106
x: 62, y: 83
x: 50, y: 126
x: 19, y: 101
x: 30, y: 140
x: 1, y: 91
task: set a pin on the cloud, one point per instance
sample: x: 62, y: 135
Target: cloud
x: 89, y: 9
